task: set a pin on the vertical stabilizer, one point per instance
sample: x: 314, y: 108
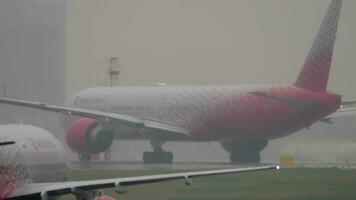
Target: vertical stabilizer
x: 315, y: 73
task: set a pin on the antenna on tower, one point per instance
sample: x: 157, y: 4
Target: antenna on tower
x: 114, y: 70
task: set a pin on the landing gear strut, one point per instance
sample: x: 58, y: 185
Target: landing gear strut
x: 158, y: 155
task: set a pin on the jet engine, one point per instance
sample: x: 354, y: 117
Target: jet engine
x: 86, y: 137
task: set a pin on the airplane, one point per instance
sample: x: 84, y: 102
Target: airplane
x: 243, y: 118
x: 34, y: 165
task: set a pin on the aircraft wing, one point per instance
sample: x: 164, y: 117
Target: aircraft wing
x: 45, y: 191
x: 104, y: 117
x: 7, y: 143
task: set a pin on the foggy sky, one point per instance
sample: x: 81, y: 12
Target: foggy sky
x: 32, y: 49
x: 32, y: 58
x: 203, y: 42
x: 213, y: 42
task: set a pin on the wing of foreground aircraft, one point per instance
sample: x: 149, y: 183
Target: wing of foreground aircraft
x: 103, y: 117
x: 46, y: 191
x: 7, y: 143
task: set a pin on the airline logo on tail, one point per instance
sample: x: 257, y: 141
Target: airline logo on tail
x: 315, y: 73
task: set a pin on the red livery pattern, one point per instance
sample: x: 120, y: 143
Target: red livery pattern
x: 13, y: 170
x: 315, y: 73
x: 231, y: 112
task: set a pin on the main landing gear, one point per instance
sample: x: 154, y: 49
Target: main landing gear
x: 245, y: 150
x: 241, y: 158
x: 84, y: 158
x: 158, y: 155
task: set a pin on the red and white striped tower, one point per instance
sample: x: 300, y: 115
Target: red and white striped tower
x: 114, y: 70
x: 113, y: 74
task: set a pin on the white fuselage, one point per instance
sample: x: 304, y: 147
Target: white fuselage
x: 175, y: 105
x: 36, y: 156
x: 151, y: 102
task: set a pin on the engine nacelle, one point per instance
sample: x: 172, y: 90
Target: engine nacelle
x: 86, y: 137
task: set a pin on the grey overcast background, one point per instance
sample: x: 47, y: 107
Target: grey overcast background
x: 52, y: 49
x: 203, y: 41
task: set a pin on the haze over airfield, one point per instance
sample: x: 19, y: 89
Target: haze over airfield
x: 213, y: 42
x: 52, y: 49
x: 203, y: 42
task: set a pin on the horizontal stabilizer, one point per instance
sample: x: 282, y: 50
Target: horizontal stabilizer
x: 348, y: 102
x: 342, y: 112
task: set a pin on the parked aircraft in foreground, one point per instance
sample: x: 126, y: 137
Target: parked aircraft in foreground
x: 241, y: 117
x: 34, y: 165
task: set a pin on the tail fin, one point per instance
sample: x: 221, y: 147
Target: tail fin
x: 315, y: 73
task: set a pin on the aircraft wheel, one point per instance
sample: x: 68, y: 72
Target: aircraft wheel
x: 245, y: 150
x: 158, y: 157
x: 84, y: 158
x: 243, y: 158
